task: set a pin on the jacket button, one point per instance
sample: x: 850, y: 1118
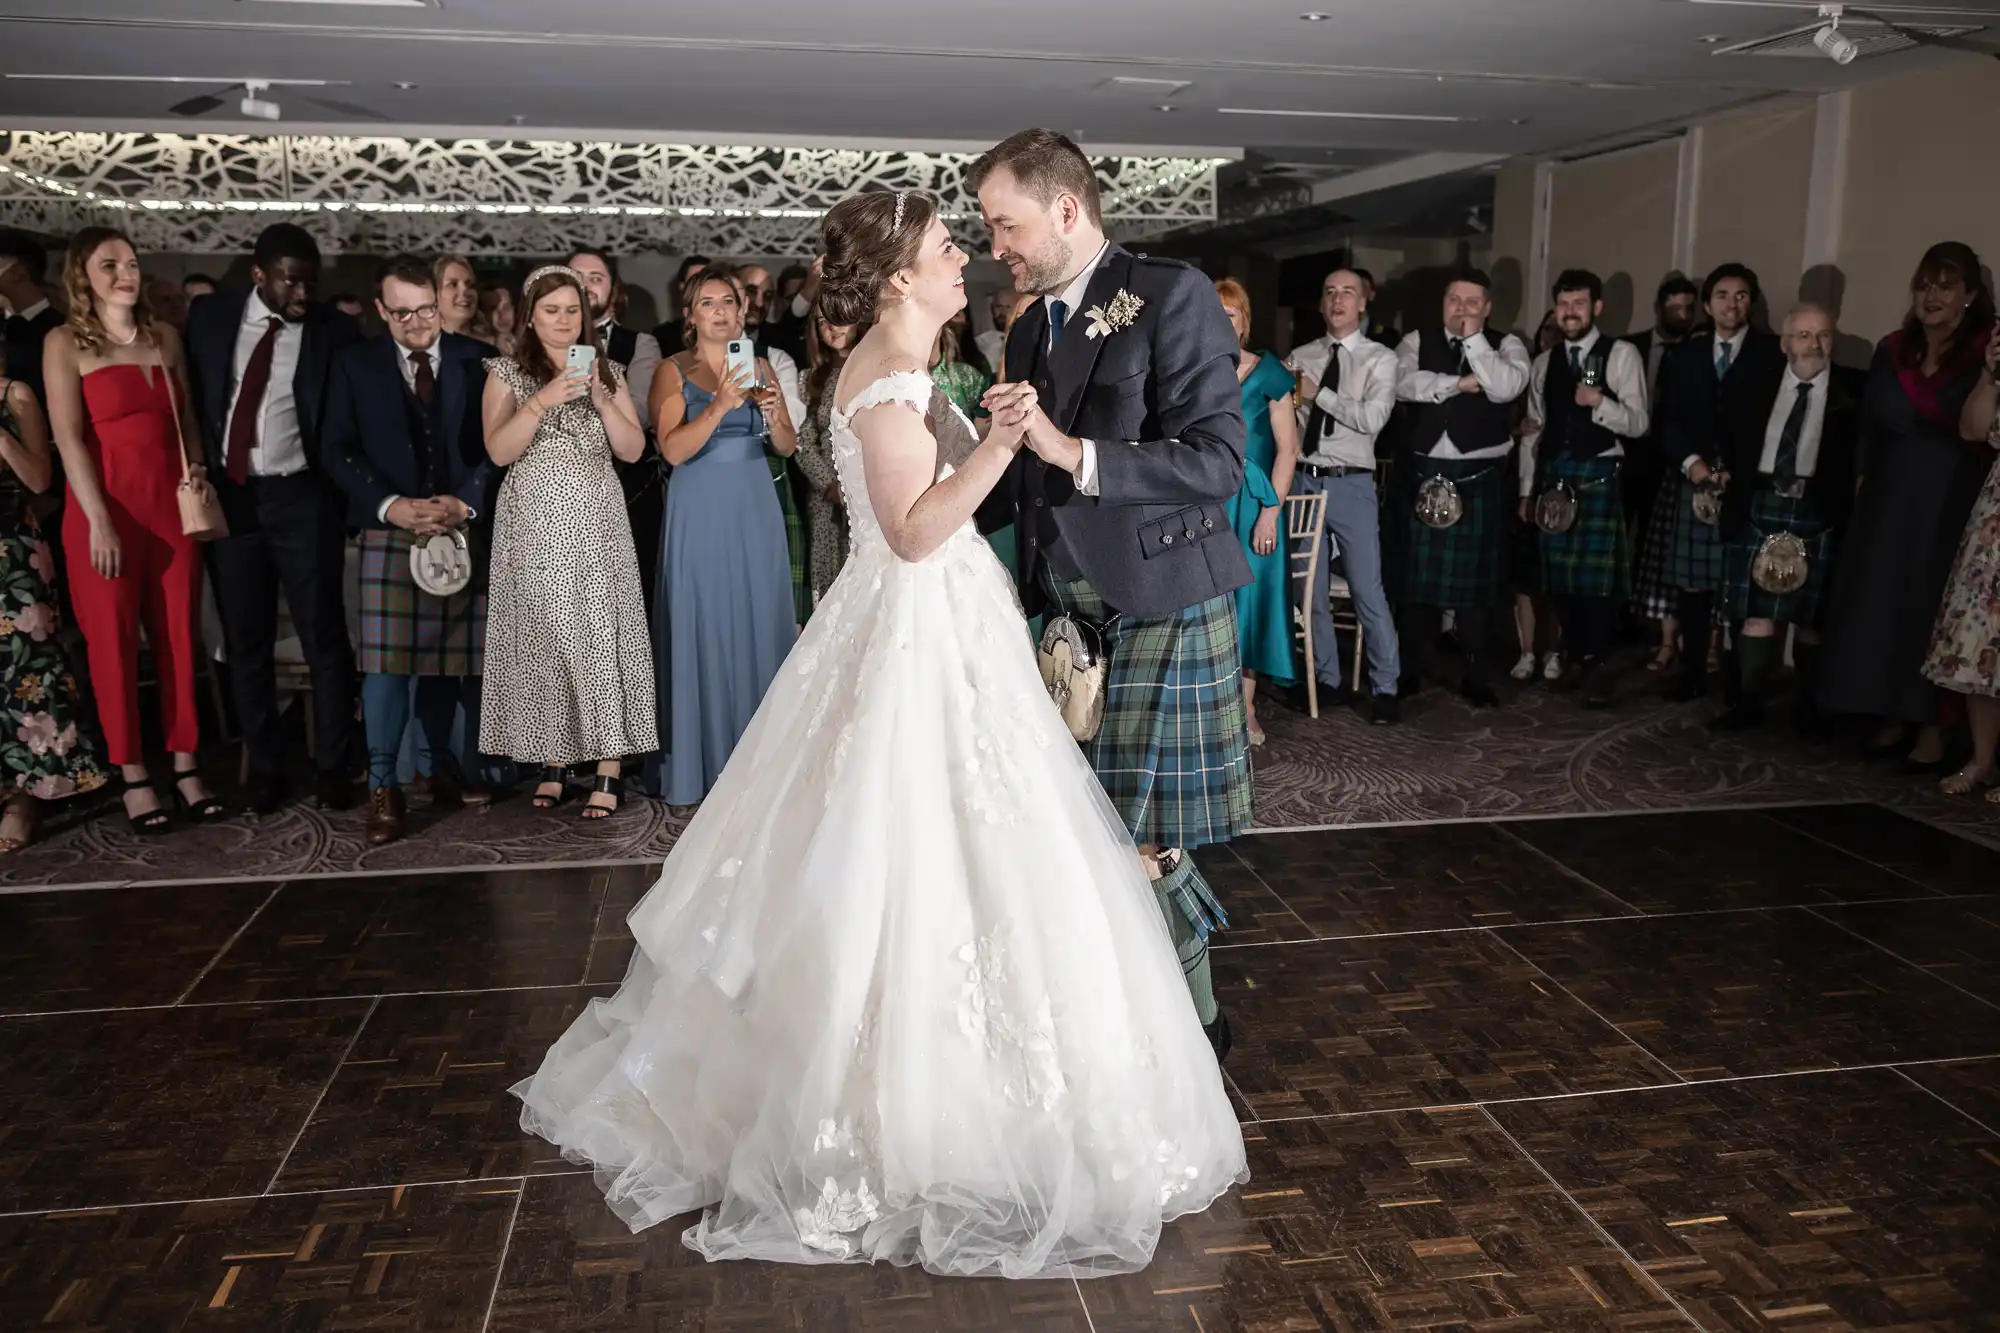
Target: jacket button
x: 1190, y: 534
x: 1166, y: 539
x: 1208, y: 523
x: 1041, y: 502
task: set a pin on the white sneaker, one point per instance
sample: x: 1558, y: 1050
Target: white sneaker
x: 1525, y: 668
x: 1552, y: 666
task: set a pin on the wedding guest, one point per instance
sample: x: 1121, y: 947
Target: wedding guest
x: 1531, y: 603
x: 785, y: 481
x: 784, y: 316
x: 964, y: 383
x: 1651, y: 486
x: 1379, y: 329
x: 672, y: 334
x: 728, y: 614
x: 1585, y: 399
x: 1919, y: 481
x: 1347, y: 389
x: 405, y: 443
x: 348, y: 304
x: 23, y: 262
x: 497, y: 312
x: 1270, y: 457
x: 569, y: 670
x: 1787, y: 462
x: 458, y: 294
x: 259, y: 362
x: 826, y: 508
x: 120, y: 410
x: 644, y: 479
x: 991, y: 345
x: 1965, y: 646
x: 197, y: 285
x: 1702, y: 389
x: 44, y: 755
x: 1459, y: 382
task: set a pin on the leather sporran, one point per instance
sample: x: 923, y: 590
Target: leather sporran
x: 1439, y: 504
x: 1782, y: 564
x: 1071, y: 654
x: 1707, y: 503
x: 1556, y: 508
x: 441, y: 564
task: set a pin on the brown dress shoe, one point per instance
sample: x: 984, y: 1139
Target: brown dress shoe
x: 449, y: 791
x: 385, y: 815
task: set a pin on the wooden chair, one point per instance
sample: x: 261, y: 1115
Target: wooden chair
x: 1305, y: 515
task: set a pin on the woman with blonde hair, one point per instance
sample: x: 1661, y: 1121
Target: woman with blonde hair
x: 118, y: 403
x: 458, y: 296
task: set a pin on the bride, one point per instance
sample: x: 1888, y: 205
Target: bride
x: 903, y: 991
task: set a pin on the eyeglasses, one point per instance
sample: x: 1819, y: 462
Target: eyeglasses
x: 405, y: 316
x: 1937, y: 288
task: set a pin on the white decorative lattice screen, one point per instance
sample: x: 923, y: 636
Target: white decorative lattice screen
x: 212, y: 193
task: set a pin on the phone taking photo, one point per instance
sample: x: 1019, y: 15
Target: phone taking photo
x: 740, y: 362
x: 583, y: 357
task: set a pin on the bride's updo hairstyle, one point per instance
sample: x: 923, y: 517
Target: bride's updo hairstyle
x: 868, y: 239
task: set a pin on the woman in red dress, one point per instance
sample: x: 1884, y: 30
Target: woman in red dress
x: 115, y: 382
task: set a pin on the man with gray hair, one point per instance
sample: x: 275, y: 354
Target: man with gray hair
x: 1788, y: 456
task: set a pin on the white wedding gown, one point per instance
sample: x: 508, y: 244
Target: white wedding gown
x: 902, y: 991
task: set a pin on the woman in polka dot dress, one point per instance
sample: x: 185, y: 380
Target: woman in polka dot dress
x: 569, y: 662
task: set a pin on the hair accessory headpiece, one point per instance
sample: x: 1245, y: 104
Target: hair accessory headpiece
x: 546, y: 269
x: 902, y: 198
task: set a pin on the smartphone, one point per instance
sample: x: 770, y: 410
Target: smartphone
x: 740, y: 363
x: 583, y: 357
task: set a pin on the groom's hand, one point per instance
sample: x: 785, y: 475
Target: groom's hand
x: 1023, y: 411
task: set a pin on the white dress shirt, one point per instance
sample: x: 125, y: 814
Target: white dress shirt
x: 1358, y: 410
x: 1072, y: 299
x: 992, y: 345
x: 1624, y: 416
x: 1734, y: 342
x: 279, y: 449
x: 1781, y: 410
x: 409, y: 370
x: 1502, y: 373
x: 786, y: 372
x: 33, y: 310
x: 638, y: 375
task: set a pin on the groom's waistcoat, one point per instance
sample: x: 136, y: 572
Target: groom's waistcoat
x: 1160, y: 398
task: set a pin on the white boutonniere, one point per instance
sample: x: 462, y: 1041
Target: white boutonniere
x: 1124, y: 308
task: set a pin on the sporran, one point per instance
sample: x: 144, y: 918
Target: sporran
x: 1707, y: 503
x: 1782, y: 564
x: 1071, y: 655
x: 441, y: 564
x: 1439, y: 504
x: 1556, y: 509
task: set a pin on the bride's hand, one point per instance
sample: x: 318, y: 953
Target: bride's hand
x: 1012, y: 406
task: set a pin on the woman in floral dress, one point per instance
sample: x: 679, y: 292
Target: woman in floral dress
x: 1965, y: 646
x: 44, y: 756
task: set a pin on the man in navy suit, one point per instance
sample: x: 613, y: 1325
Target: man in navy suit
x: 258, y: 363
x: 1123, y: 375
x: 404, y: 441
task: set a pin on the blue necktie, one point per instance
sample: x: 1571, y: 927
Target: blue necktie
x: 1725, y: 353
x: 1058, y: 316
x: 1576, y: 361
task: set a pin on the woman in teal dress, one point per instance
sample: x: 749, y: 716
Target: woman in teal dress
x: 1270, y: 454
x: 965, y: 384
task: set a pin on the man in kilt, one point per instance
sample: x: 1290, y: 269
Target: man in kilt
x: 1123, y: 375
x: 1586, y: 397
x: 1703, y: 382
x: 405, y: 442
x: 1789, y: 445
x: 1461, y: 381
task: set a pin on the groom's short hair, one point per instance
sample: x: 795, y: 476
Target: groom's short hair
x: 1045, y: 164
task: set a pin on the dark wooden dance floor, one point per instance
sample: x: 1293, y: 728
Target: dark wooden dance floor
x: 1731, y: 1071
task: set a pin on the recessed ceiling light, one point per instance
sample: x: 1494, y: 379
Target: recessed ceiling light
x: 1342, y: 115
x: 403, y: 86
x: 1313, y: 18
x: 518, y: 118
x: 1166, y: 106
x: 1518, y: 120
x: 1711, y: 39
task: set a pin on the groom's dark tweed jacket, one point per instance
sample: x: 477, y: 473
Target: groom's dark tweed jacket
x: 1161, y: 400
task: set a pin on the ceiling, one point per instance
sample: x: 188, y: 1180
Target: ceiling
x: 1498, y: 77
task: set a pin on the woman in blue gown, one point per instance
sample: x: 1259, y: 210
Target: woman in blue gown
x: 1270, y: 454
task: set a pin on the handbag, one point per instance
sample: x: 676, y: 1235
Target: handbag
x: 1071, y: 655
x: 201, y: 509
x: 441, y: 564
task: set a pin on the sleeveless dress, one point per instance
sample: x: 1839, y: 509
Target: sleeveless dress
x: 1965, y: 645
x: 569, y: 664
x: 902, y: 992
x: 1264, y: 605
x: 723, y: 606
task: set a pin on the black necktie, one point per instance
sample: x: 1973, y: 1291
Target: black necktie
x: 1459, y: 358
x: 1317, y: 420
x: 423, y: 383
x: 1058, y: 316
x: 1786, y: 470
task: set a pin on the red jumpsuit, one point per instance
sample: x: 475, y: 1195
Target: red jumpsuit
x: 129, y: 430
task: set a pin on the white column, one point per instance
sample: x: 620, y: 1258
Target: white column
x: 1826, y: 192
x: 1687, y: 198
x: 1538, y: 239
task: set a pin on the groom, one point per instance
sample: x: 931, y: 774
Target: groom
x: 1123, y: 376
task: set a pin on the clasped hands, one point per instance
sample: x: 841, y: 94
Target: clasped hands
x: 427, y: 518
x: 1018, y: 420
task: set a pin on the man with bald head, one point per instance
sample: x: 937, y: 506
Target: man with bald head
x: 1788, y: 461
x: 1347, y: 389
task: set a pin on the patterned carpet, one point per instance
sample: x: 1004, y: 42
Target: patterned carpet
x: 1538, y: 755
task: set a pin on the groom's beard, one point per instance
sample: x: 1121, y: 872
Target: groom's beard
x: 1048, y: 267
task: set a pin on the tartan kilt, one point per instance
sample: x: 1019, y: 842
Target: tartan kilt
x: 1463, y: 566
x: 1696, y: 561
x: 795, y: 536
x: 1590, y: 560
x: 1771, y: 512
x: 1173, y: 751
x: 1652, y: 591
x: 406, y: 631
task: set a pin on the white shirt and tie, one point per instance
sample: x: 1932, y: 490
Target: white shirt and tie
x: 406, y: 361
x: 1357, y: 404
x: 1623, y: 411
x: 1815, y: 423
x: 1503, y: 373
x: 1070, y: 301
x: 279, y: 449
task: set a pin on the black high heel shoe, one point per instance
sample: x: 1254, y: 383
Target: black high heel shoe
x: 152, y: 822
x: 608, y: 785
x: 206, y: 810
x: 552, y: 775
